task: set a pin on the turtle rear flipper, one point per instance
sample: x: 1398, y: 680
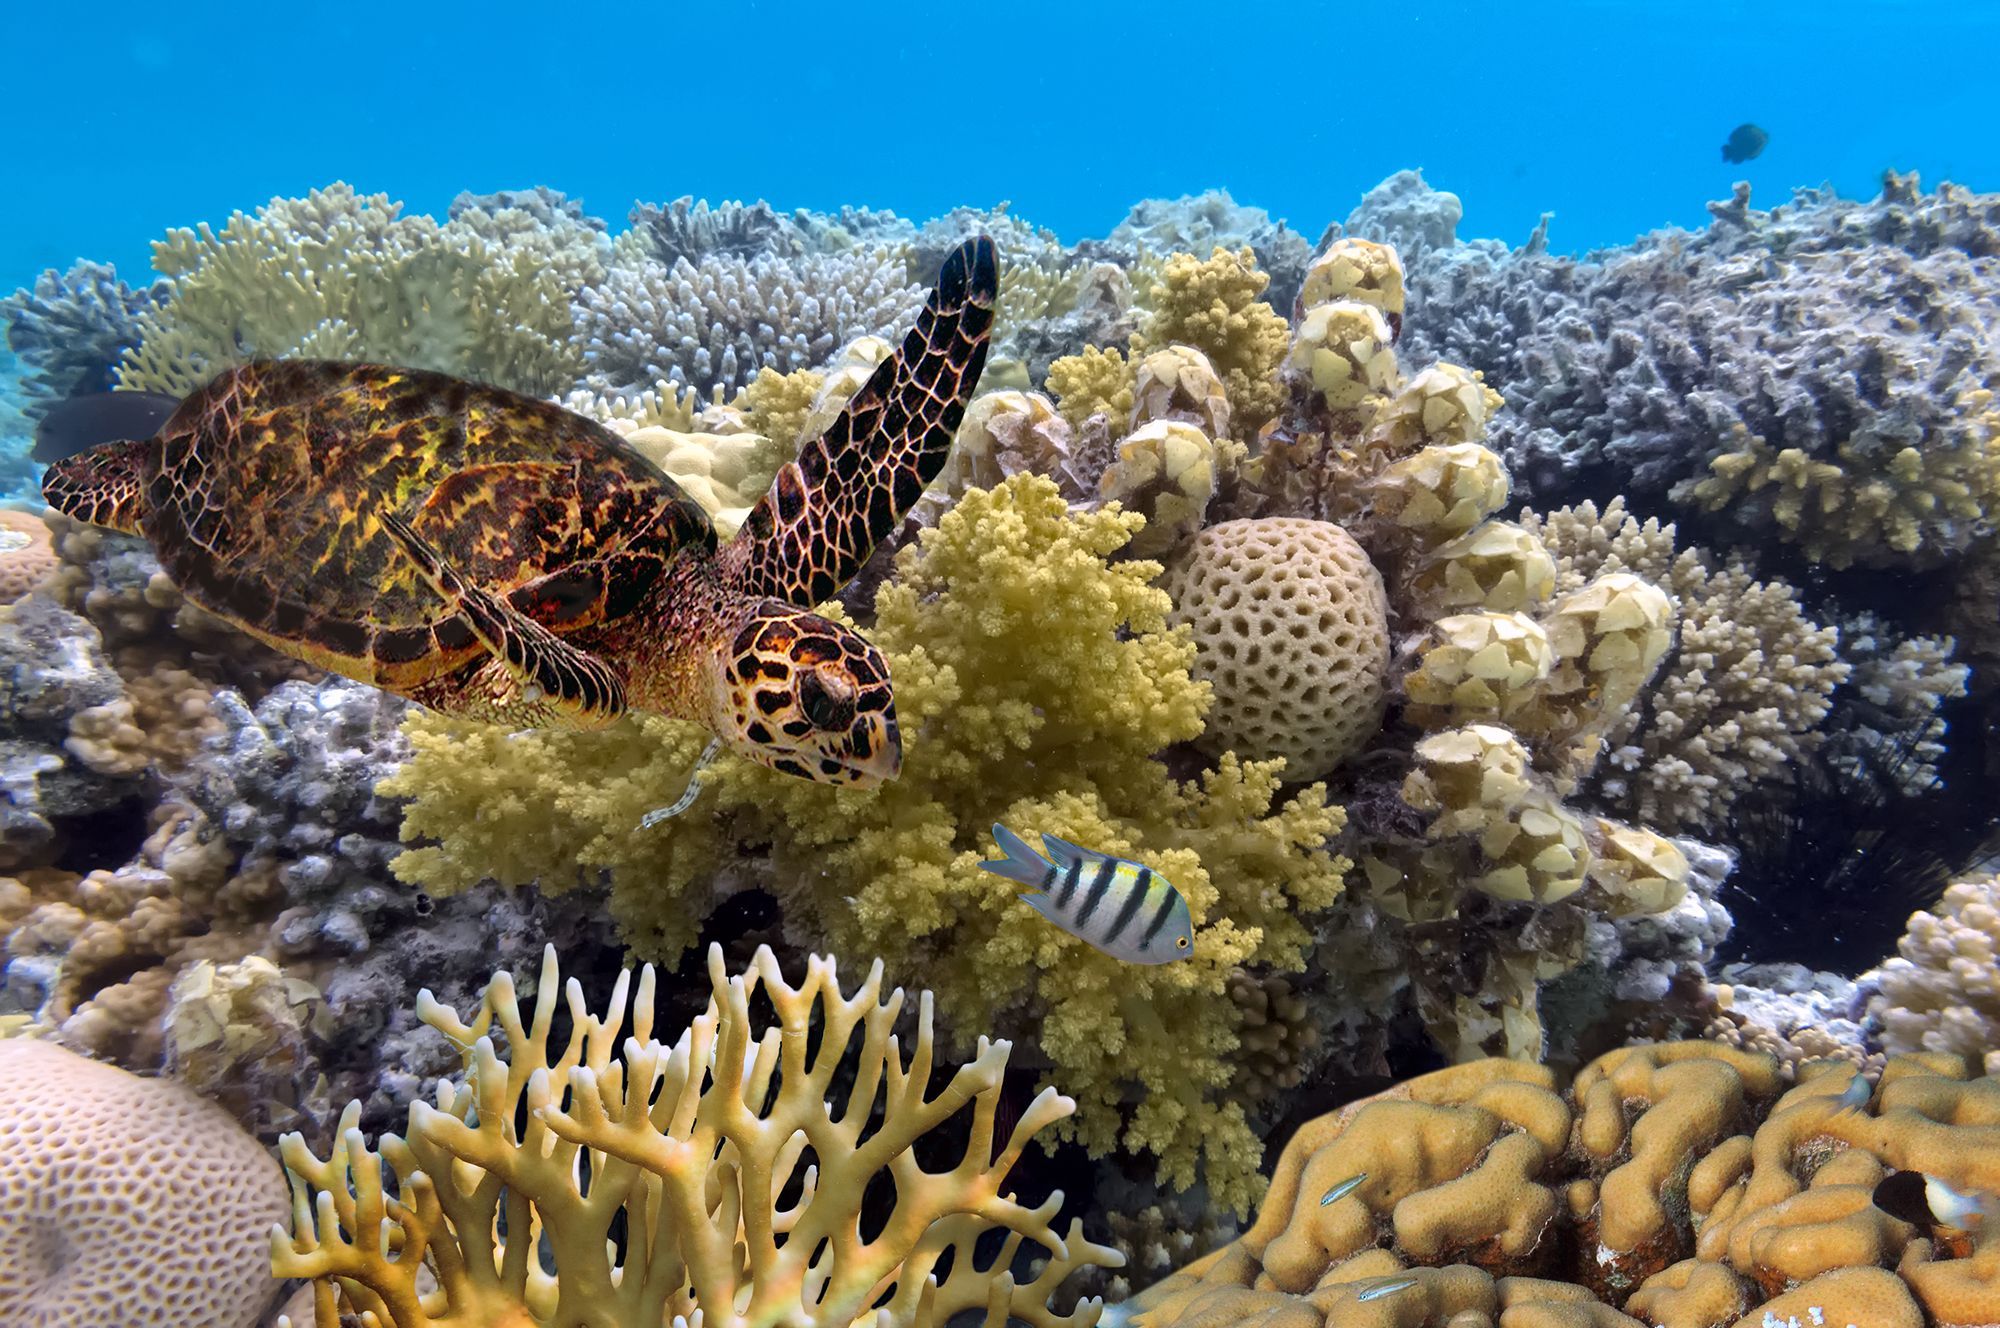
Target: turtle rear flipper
x: 825, y: 512
x: 555, y: 679
x: 105, y: 486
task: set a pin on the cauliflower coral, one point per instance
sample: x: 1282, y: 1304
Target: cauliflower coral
x: 1036, y: 679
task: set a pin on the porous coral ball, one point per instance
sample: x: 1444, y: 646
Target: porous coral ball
x: 1291, y: 626
x: 126, y: 1200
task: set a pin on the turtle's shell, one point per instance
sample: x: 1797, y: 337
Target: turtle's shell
x: 264, y: 510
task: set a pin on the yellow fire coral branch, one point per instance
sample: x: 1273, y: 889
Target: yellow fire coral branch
x: 695, y: 1145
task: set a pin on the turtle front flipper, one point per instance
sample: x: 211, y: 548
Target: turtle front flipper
x: 825, y: 512
x: 557, y: 683
x: 105, y: 486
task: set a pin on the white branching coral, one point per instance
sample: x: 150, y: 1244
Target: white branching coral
x: 735, y: 1160
x: 1942, y: 990
x: 715, y: 323
x: 1741, y: 697
x: 339, y: 275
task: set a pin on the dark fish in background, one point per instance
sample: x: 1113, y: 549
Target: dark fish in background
x: 1745, y: 142
x: 81, y: 423
x: 1930, y: 1205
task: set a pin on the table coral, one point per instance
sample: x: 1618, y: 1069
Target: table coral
x: 691, y: 1148
x: 337, y: 275
x: 126, y: 1200
x: 1035, y: 681
x: 1670, y: 1182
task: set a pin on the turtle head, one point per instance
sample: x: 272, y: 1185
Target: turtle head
x: 806, y: 696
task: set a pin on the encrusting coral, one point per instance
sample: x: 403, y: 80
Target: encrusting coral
x: 126, y: 1200
x: 692, y: 1148
x: 1035, y: 681
x: 1670, y: 1182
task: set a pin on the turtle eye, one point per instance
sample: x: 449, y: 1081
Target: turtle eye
x: 827, y: 698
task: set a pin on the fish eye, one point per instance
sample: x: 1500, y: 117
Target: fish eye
x: 1182, y: 943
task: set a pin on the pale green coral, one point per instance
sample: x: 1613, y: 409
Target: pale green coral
x: 341, y: 276
x: 1213, y: 305
x: 1035, y: 680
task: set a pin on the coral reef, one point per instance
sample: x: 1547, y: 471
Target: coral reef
x: 126, y: 1200
x: 1823, y: 369
x: 692, y: 1148
x: 715, y: 323
x: 70, y: 328
x: 1212, y: 305
x: 1200, y: 223
x: 337, y: 275
x: 1672, y: 1182
x: 1744, y: 694
x: 1035, y: 680
x: 1942, y: 990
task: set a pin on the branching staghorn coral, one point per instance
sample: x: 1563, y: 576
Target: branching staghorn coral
x: 70, y: 328
x: 693, y: 230
x: 693, y: 1148
x: 716, y: 322
x: 1741, y: 698
x: 1035, y: 681
x: 337, y: 275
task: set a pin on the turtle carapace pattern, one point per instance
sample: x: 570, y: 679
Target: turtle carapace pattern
x: 490, y: 555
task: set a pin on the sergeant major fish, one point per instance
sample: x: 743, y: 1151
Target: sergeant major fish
x: 1928, y: 1204
x: 1125, y: 909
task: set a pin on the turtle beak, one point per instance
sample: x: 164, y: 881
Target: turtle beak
x: 874, y: 749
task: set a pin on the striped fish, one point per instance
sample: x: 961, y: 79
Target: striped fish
x: 1127, y: 910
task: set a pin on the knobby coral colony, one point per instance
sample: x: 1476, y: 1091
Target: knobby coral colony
x: 1215, y: 579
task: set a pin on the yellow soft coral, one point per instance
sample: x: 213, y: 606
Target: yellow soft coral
x: 692, y: 1150
x: 1092, y: 382
x: 1035, y: 679
x: 1212, y: 305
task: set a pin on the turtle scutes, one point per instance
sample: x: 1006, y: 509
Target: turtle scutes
x: 494, y: 556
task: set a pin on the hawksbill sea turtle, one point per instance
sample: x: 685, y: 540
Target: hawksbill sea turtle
x: 490, y: 555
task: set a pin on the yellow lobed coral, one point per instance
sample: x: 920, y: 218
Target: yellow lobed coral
x: 1476, y: 779
x: 1167, y: 471
x: 1355, y: 269
x: 1345, y: 352
x: 1477, y: 666
x: 692, y: 1147
x: 1178, y: 383
x: 1669, y: 1182
x: 1497, y: 566
x: 1212, y: 305
x: 1035, y: 679
x: 1003, y: 433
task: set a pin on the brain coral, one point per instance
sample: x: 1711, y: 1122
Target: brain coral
x: 1672, y: 1183
x: 26, y: 554
x: 126, y: 1200
x: 1291, y: 624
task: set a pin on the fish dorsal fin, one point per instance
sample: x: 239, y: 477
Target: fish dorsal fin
x: 1062, y: 852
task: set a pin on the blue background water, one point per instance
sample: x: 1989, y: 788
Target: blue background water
x: 129, y: 118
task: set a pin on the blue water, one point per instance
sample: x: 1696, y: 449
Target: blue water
x: 130, y: 118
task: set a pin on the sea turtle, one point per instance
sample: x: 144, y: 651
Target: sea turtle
x: 491, y: 555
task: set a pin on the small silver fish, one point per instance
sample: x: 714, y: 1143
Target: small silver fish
x: 1125, y: 909
x: 1386, y: 1289
x: 688, y: 795
x: 1928, y: 1203
x: 1342, y: 1190
x: 1856, y: 1095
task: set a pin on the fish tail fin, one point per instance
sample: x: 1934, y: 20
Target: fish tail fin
x: 105, y: 486
x: 1022, y: 864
